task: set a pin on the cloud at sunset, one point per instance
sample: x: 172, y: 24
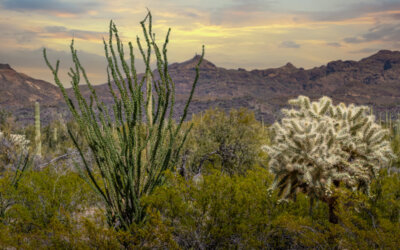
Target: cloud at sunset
x: 60, y: 6
x: 290, y: 44
x: 381, y: 32
x: 63, y: 32
x: 237, y: 33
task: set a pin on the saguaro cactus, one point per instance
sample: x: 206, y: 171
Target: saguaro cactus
x: 131, y: 153
x: 38, y: 141
x: 319, y: 146
x: 55, y: 134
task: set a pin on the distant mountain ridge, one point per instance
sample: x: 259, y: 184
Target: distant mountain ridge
x: 374, y: 80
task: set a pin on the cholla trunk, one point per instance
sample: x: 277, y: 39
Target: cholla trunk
x: 333, y: 218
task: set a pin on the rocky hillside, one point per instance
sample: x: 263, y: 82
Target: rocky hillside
x: 374, y: 80
x: 19, y: 90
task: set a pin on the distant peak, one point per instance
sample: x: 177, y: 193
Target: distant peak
x: 195, y: 60
x: 5, y: 66
x: 384, y: 51
x: 384, y: 54
x: 196, y: 57
x: 290, y: 65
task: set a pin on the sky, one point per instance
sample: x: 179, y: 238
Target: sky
x: 249, y: 34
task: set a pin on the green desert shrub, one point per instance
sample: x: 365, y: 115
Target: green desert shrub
x: 234, y: 211
x: 47, y: 195
x: 229, y: 142
x: 320, y: 146
x: 386, y: 197
x: 47, y: 210
x: 221, y: 211
x: 369, y: 221
x: 395, y: 143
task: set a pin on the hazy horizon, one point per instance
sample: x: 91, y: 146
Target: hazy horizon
x: 248, y: 34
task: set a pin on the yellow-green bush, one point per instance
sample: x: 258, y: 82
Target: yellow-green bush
x: 228, y: 211
x: 231, y: 142
x: 220, y: 211
x: 47, y: 194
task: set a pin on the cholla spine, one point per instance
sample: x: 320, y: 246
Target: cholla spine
x: 320, y: 145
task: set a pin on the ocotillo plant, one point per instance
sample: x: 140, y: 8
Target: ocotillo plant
x: 130, y: 153
x: 38, y: 142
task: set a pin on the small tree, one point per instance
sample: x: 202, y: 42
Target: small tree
x: 320, y: 146
x: 130, y: 153
x: 231, y: 142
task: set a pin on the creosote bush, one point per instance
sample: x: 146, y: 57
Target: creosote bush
x: 320, y: 146
x: 232, y: 211
x: 222, y: 211
x: 230, y: 142
x: 134, y: 144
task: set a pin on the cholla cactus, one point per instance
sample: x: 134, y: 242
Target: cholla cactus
x: 16, y: 140
x: 320, y: 145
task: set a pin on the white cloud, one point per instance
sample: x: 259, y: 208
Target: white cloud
x: 290, y: 44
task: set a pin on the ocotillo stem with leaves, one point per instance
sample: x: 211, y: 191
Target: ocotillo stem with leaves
x: 130, y: 153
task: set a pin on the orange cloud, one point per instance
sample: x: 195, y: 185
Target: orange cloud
x: 64, y: 14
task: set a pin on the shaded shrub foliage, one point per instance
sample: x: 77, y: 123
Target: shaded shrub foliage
x: 230, y: 142
x: 223, y: 211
